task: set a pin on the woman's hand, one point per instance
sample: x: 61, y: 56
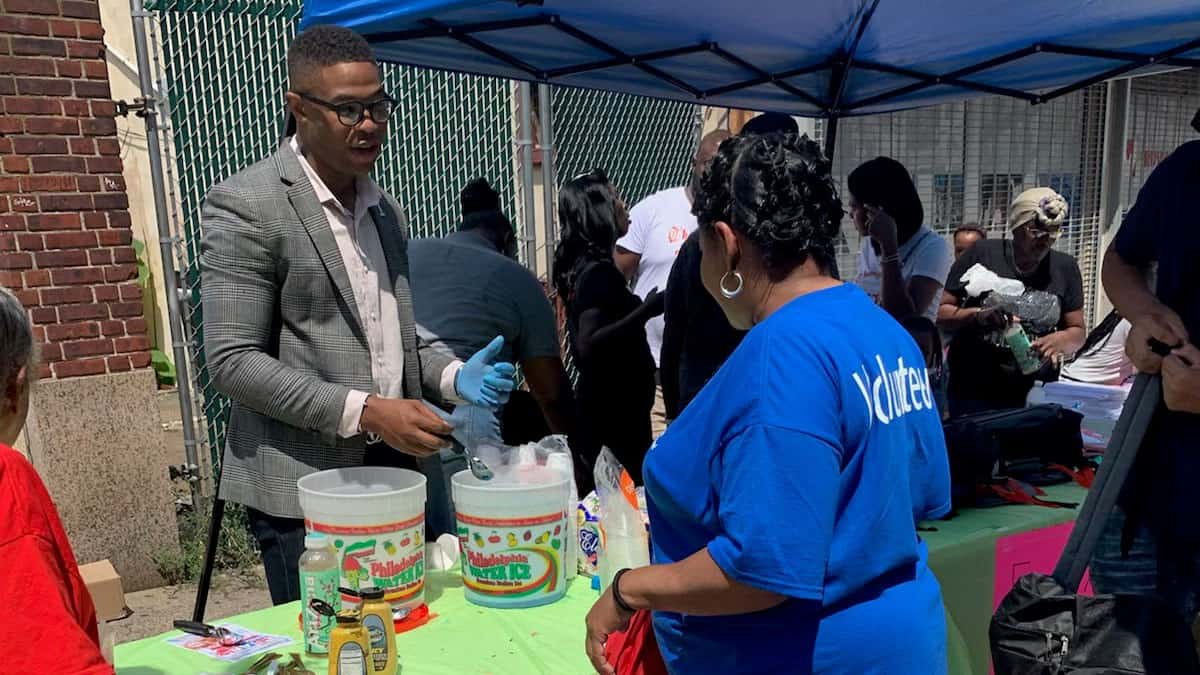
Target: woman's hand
x: 603, y: 620
x: 654, y: 304
x: 1054, y: 345
x: 882, y: 228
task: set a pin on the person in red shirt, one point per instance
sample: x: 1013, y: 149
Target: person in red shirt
x: 46, y: 607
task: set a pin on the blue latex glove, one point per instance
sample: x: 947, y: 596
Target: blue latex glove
x: 484, y: 383
x: 473, y: 425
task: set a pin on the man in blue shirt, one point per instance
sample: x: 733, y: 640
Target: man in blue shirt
x: 1152, y: 543
x: 467, y: 285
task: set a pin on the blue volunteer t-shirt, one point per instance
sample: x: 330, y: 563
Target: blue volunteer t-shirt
x: 803, y: 467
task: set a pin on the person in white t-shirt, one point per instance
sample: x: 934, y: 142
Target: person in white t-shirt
x: 658, y: 226
x: 903, y: 264
x: 1102, y: 358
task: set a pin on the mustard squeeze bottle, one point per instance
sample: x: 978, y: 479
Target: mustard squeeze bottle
x: 377, y: 619
x: 349, y: 646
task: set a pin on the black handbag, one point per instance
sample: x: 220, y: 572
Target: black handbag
x: 1042, y: 627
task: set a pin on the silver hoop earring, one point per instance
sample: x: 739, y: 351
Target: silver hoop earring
x: 731, y: 293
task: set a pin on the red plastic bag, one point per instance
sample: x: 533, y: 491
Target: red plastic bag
x: 635, y: 651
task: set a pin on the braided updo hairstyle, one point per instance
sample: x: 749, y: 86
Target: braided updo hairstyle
x: 776, y: 190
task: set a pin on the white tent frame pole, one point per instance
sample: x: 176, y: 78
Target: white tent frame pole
x: 525, y: 143
x: 549, y: 177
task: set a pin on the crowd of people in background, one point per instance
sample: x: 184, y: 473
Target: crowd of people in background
x: 718, y: 355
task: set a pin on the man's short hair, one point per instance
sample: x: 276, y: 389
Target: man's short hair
x: 974, y: 228
x: 478, y: 196
x: 321, y: 46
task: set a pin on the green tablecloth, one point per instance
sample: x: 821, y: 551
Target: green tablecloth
x: 466, y: 639
x: 962, y: 553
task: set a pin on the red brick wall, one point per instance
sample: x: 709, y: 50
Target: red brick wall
x: 65, y: 238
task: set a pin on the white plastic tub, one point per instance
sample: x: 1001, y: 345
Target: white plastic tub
x: 513, y: 536
x: 375, y: 517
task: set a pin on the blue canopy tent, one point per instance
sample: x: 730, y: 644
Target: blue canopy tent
x: 818, y: 59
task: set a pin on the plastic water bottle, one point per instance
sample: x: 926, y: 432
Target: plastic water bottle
x: 319, y: 576
x: 1037, y: 395
x: 561, y: 463
x: 1018, y: 341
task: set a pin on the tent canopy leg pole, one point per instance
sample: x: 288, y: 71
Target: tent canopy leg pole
x: 831, y: 127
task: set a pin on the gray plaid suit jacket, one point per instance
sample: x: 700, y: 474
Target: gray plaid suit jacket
x: 282, y: 333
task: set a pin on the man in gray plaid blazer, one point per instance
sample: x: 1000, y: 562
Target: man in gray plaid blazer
x: 308, y: 319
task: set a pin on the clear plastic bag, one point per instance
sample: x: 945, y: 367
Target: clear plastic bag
x: 1039, y: 311
x: 979, y: 280
x: 624, y: 542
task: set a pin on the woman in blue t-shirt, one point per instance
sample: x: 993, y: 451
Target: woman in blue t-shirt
x: 784, y: 499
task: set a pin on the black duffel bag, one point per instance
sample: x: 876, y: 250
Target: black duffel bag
x: 1042, y: 627
x: 1021, y: 443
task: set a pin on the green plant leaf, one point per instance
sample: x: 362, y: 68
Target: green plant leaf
x: 164, y: 370
x: 143, y: 275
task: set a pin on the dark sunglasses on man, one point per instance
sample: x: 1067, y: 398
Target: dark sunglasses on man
x: 352, y: 113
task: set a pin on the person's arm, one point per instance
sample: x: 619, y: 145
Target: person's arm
x: 438, y: 373
x: 629, y: 249
x: 894, y: 294
x: 675, y: 316
x: 600, y: 288
x: 1126, y: 287
x: 1129, y: 256
x: 952, y: 316
x: 548, y: 382
x: 1129, y: 293
x: 1067, y: 340
x: 594, y: 332
x: 627, y: 261
x: 750, y: 565
x: 930, y: 269
x: 240, y: 301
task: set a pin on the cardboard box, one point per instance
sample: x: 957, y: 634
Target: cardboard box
x: 104, y: 584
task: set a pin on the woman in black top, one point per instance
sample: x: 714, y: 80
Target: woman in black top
x: 983, y: 372
x: 606, y: 328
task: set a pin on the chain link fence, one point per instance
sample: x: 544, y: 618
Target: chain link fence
x: 223, y: 66
x: 643, y: 146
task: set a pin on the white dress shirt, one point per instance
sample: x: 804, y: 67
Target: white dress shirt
x: 358, y: 241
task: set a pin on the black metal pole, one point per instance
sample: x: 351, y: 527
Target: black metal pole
x: 831, y: 126
x: 210, y: 558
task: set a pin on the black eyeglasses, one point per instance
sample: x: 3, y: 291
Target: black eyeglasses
x: 351, y: 113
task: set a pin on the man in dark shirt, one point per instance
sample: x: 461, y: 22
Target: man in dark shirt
x: 1151, y: 545
x: 697, y: 338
